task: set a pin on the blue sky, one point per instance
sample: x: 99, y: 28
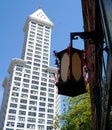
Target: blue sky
x: 66, y: 16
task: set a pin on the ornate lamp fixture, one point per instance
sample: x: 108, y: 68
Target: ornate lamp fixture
x: 70, y: 79
x: 72, y: 67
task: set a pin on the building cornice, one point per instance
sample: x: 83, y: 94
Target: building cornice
x: 14, y: 62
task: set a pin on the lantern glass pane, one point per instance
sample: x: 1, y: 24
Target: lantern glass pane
x: 76, y: 66
x: 64, y: 67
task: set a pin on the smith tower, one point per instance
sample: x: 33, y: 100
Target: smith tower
x: 30, y: 99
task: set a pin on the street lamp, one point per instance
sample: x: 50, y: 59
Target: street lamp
x: 70, y: 79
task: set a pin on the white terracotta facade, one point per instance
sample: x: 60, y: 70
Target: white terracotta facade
x: 30, y: 99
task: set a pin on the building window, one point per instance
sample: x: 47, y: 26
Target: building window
x: 28, y: 67
x: 37, y: 56
x: 26, y: 75
x: 30, y: 50
x: 50, y: 116
x: 19, y: 69
x: 34, y: 86
x: 51, y: 81
x: 19, y: 65
x: 47, y: 27
x: 42, y: 99
x: 43, y: 84
x: 36, y: 73
x: 50, y: 100
x: 40, y: 26
x: 13, y: 105
x: 39, y: 53
x: 23, y: 101
x: 51, y: 85
x: 26, y: 85
x: 34, y: 92
x: 18, y: 74
x: 45, y: 58
x: 42, y: 104
x: 51, y: 90
x: 24, y: 95
x: 37, y: 48
x: 51, y: 75
x: 48, y: 127
x: 10, y: 124
x: 43, y: 93
x: 32, y: 126
x: 32, y: 36
x: 31, y: 120
x: 35, y: 77
x: 32, y: 108
x: 36, y: 68
x: 12, y: 111
x: 49, y: 122
x: 43, y: 79
x: 33, y: 97
x: 44, y: 70
x: 16, y: 84
x: 36, y: 64
x: 45, y: 50
x: 42, y: 109
x: 43, y: 89
x: 29, y: 54
x: 40, y: 127
x: 41, y: 115
x: 32, y: 113
x: 44, y: 66
x: 35, y: 82
x: 14, y: 99
x: 41, y: 121
x: 31, y: 32
x: 11, y: 117
x: 33, y: 23
x: 25, y: 90
x: 51, y: 95
x: 31, y: 43
x: 17, y: 78
x: 45, y: 62
x: 44, y: 75
x: 22, y: 113
x: 15, y: 88
x: 27, y: 71
x: 39, y: 45
x: 50, y: 105
x: 22, y: 106
x: 21, y: 118
x: 26, y: 80
x: 33, y: 102
x: 50, y: 111
x: 15, y: 94
x: 21, y: 125
x: 31, y: 39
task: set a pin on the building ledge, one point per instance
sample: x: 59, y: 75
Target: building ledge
x: 14, y: 62
x: 52, y: 69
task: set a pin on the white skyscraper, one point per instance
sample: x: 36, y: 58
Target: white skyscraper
x: 30, y: 99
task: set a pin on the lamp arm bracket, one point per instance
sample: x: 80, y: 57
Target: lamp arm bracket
x: 83, y: 35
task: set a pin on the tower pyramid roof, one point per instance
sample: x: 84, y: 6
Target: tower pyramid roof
x: 40, y: 16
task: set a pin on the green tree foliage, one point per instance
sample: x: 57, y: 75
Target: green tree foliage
x: 76, y: 113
